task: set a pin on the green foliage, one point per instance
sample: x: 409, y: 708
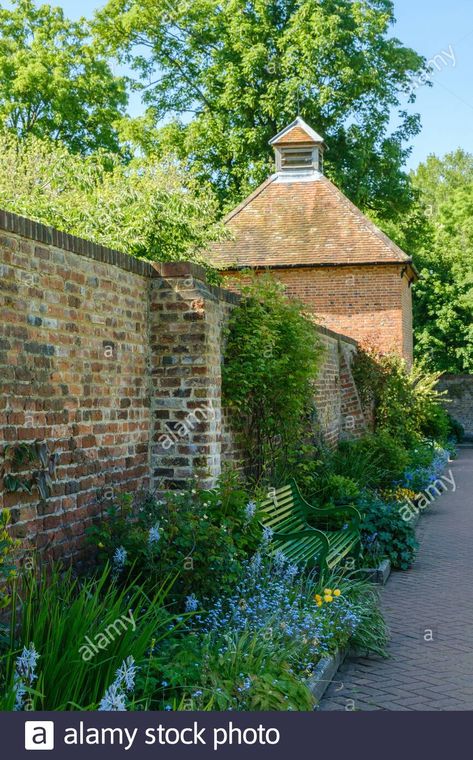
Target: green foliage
x: 202, y: 536
x: 57, y: 612
x: 443, y: 302
x: 214, y: 674
x: 8, y: 547
x: 258, y: 646
x: 271, y: 360
x: 236, y: 73
x: 55, y: 82
x: 385, y: 533
x: 406, y: 402
x: 152, y: 210
x: 341, y: 489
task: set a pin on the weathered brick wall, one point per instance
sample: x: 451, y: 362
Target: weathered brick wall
x: 369, y: 303
x: 114, y: 365
x: 73, y: 355
x: 187, y: 320
x: 338, y: 406
x: 460, y: 395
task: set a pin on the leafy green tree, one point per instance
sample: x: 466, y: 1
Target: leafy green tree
x: 54, y: 82
x: 443, y: 299
x: 234, y: 73
x: 151, y: 210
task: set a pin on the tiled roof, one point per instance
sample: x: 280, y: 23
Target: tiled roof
x: 297, y: 131
x: 295, y: 135
x: 291, y: 223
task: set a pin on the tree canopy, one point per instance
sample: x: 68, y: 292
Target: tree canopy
x: 233, y: 74
x: 443, y: 303
x: 55, y: 82
x: 155, y: 211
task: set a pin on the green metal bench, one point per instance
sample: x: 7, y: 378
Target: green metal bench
x: 310, y: 535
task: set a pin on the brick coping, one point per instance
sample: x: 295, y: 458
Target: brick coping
x: 43, y: 233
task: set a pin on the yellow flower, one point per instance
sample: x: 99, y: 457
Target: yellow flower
x: 337, y: 592
x: 318, y: 598
x: 100, y: 545
x: 319, y: 604
x: 327, y: 591
x: 328, y: 598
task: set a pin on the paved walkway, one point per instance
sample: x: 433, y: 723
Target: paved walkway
x: 435, y: 595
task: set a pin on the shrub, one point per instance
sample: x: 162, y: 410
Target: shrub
x: 457, y: 431
x: 340, y: 489
x: 271, y: 360
x: 406, y: 401
x: 385, y: 534
x: 255, y: 648
x: 200, y: 535
x: 374, y: 461
x: 54, y: 617
x: 8, y: 545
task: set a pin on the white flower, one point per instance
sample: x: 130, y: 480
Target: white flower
x: 192, y: 603
x: 25, y: 674
x: 267, y: 535
x: 279, y: 560
x: 154, y: 535
x: 114, y: 700
x: 26, y: 663
x: 119, y: 558
x: 126, y: 673
x: 250, y: 510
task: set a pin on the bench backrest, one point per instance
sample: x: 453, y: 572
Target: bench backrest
x: 283, y: 510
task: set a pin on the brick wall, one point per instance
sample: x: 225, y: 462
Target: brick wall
x: 114, y: 365
x: 338, y: 405
x: 368, y: 303
x: 460, y: 400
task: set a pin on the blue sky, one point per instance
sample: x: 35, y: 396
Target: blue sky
x: 433, y: 28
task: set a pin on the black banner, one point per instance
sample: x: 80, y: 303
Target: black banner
x: 397, y: 735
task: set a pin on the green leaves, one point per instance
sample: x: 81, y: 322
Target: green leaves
x: 443, y: 299
x: 271, y: 360
x: 236, y: 73
x: 54, y: 81
x: 151, y: 209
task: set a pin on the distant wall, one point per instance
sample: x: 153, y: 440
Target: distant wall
x: 114, y: 364
x: 460, y: 395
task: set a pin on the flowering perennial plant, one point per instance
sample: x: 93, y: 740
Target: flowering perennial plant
x: 420, y: 477
x: 115, y: 697
x: 25, y: 674
x: 275, y: 601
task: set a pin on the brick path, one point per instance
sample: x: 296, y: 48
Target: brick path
x: 436, y: 594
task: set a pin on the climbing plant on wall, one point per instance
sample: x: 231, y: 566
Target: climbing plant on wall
x: 271, y: 360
